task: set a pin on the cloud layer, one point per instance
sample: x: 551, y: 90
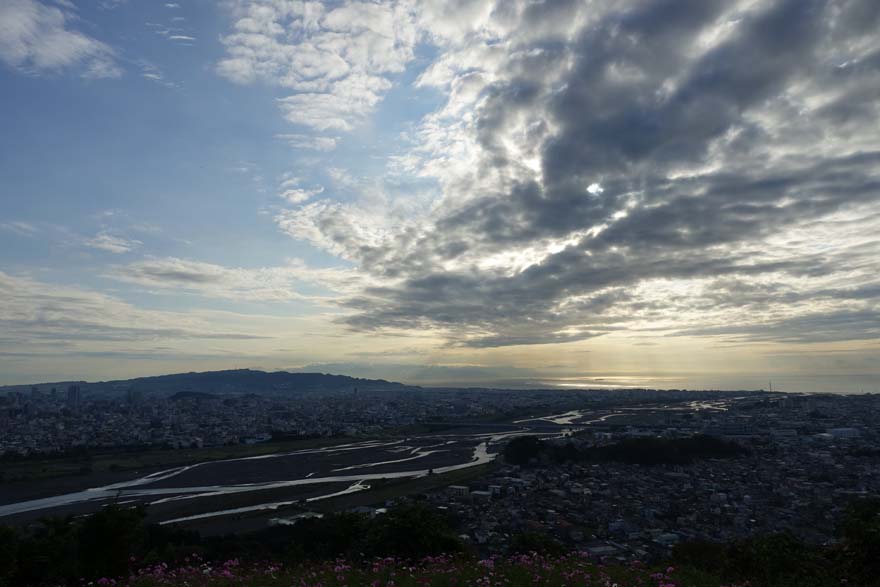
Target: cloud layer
x: 664, y: 166
x: 36, y: 316
x: 37, y: 38
x: 173, y: 275
x: 336, y: 59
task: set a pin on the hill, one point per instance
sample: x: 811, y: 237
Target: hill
x: 233, y: 381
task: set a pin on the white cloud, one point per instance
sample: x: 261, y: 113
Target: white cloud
x: 111, y: 243
x: 547, y: 219
x: 296, y: 194
x: 313, y: 143
x: 111, y: 4
x: 336, y: 60
x: 35, y: 38
x: 176, y: 34
x: 19, y: 228
x: 348, y: 102
x: 155, y: 75
x: 36, y: 313
x: 171, y: 275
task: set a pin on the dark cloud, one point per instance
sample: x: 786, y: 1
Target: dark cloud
x: 179, y: 276
x: 817, y: 327
x: 39, y: 315
x: 674, y: 140
x: 72, y: 329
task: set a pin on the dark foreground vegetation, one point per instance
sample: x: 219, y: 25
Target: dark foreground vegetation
x: 115, y: 544
x: 635, y: 451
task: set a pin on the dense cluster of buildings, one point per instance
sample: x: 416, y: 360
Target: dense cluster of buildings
x: 55, y: 422
x: 50, y: 420
x: 809, y: 457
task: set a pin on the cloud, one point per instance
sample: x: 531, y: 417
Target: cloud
x: 313, y: 143
x: 347, y: 103
x: 598, y: 168
x: 294, y: 193
x: 111, y: 243
x: 152, y: 73
x: 818, y: 327
x: 20, y: 228
x: 36, y: 39
x: 267, y: 284
x: 176, y: 34
x: 337, y: 59
x: 35, y: 314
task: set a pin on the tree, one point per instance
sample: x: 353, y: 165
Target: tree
x: 411, y: 531
x: 522, y: 449
x: 861, y: 534
x: 527, y: 542
x: 107, y: 539
x: 9, y: 542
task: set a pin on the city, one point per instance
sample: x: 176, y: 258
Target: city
x: 809, y: 457
x: 440, y: 293
x: 803, y: 459
x: 626, y: 476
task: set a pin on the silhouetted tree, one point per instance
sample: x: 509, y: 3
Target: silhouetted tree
x: 861, y: 535
x: 412, y: 531
x: 527, y: 542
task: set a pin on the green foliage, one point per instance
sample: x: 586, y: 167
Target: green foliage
x: 861, y: 534
x: 168, y: 543
x: 49, y: 555
x: 106, y: 540
x: 318, y: 539
x: 778, y: 560
x: 8, y: 555
x: 522, y: 449
x: 642, y: 451
x: 65, y: 549
x: 68, y: 550
x: 700, y: 554
x: 529, y: 542
x: 655, y: 451
x: 411, y: 532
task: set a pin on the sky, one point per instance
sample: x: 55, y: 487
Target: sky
x: 674, y: 193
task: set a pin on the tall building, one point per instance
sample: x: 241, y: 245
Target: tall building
x: 133, y: 397
x: 74, y: 397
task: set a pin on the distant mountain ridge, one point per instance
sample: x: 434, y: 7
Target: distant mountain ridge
x: 224, y: 382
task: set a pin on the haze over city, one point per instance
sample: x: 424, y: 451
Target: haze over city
x: 660, y: 193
